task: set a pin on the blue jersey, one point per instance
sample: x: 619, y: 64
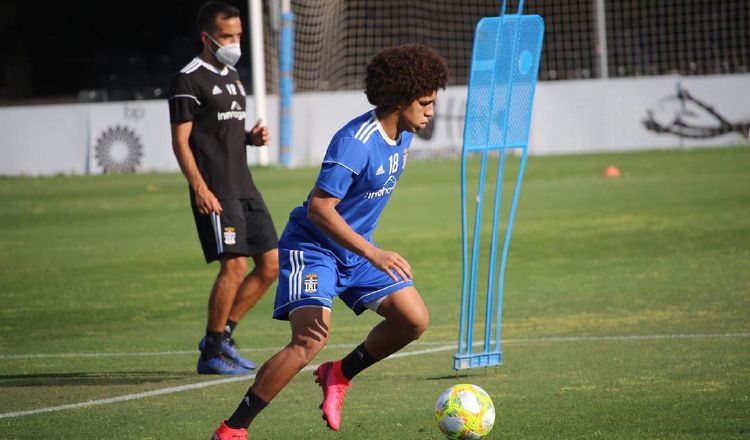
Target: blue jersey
x: 361, y: 167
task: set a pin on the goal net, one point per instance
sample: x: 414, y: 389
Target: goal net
x: 334, y: 39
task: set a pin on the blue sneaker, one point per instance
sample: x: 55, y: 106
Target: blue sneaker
x: 219, y: 365
x: 229, y: 350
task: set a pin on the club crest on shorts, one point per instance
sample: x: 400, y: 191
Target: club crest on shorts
x: 229, y: 235
x: 311, y: 283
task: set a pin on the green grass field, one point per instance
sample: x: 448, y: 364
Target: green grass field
x: 626, y: 313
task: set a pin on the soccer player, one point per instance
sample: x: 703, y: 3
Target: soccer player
x: 327, y: 250
x: 207, y: 115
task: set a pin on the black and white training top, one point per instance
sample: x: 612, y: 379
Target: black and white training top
x: 214, y: 100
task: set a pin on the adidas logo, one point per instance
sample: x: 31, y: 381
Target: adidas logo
x: 216, y: 90
x: 380, y: 170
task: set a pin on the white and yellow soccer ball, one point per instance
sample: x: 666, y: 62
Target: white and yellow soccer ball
x: 465, y: 411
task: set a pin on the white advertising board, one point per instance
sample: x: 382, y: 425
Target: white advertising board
x: 569, y: 117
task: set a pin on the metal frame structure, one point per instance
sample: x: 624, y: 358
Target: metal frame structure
x: 504, y: 71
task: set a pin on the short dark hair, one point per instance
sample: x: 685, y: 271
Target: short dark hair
x: 207, y: 15
x: 399, y: 75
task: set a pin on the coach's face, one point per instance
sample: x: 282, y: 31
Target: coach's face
x: 416, y: 116
x: 226, y: 31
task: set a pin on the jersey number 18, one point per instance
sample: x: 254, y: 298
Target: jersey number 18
x: 393, y: 163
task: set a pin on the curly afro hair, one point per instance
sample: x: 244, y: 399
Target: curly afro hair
x: 399, y: 75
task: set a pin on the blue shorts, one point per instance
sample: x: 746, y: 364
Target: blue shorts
x: 310, y: 277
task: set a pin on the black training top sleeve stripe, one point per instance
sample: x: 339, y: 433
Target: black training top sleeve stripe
x: 183, y: 99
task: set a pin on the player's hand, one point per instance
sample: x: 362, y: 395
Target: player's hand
x: 259, y: 134
x: 391, y: 263
x: 206, y: 202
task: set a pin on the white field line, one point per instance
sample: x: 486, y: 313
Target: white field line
x: 194, y: 386
x: 125, y: 398
x: 416, y: 343
x: 162, y: 353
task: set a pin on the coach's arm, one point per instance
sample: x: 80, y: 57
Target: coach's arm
x: 205, y: 200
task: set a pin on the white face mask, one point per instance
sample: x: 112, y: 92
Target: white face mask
x: 228, y: 54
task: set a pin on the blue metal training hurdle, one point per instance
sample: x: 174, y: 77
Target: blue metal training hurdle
x: 504, y: 68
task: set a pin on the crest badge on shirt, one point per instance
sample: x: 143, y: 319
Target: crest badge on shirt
x: 311, y: 283
x: 230, y: 235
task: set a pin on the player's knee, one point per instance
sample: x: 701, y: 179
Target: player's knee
x: 269, y: 271
x: 418, y: 325
x: 308, y: 346
x: 235, y: 267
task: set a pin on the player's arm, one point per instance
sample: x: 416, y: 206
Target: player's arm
x: 321, y: 210
x: 205, y: 200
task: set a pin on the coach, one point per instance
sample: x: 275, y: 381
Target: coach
x: 207, y: 115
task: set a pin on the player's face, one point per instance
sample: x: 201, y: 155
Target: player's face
x: 226, y: 31
x: 416, y: 116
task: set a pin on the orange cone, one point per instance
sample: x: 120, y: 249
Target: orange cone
x: 612, y: 171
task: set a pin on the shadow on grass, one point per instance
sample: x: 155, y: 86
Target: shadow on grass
x: 468, y: 374
x: 92, y: 379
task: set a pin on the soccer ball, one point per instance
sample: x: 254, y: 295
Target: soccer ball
x: 465, y: 411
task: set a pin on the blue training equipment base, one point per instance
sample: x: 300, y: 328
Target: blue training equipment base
x: 504, y: 71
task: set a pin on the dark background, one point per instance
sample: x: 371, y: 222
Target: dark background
x: 69, y: 51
